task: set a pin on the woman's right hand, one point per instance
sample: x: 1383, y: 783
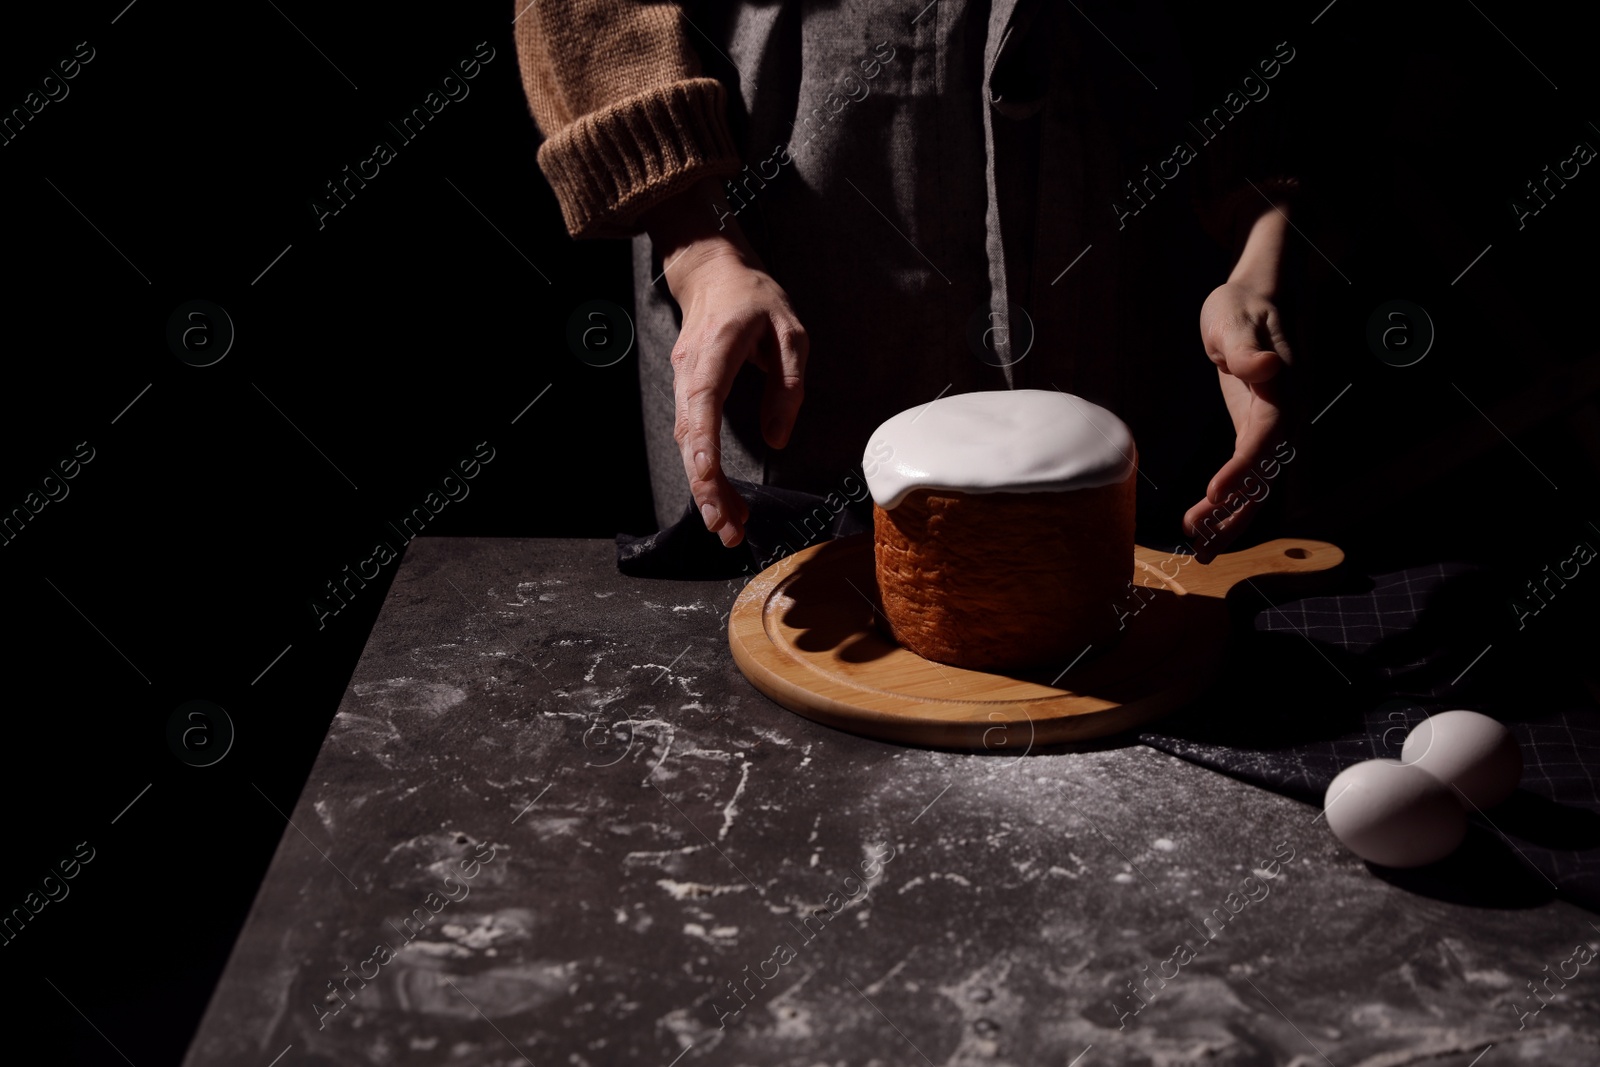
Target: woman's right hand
x: 733, y: 311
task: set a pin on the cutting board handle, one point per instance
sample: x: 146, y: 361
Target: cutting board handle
x: 1285, y: 555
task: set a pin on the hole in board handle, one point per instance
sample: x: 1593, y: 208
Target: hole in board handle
x: 1296, y: 553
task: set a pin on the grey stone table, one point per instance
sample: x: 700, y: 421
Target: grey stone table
x: 553, y: 824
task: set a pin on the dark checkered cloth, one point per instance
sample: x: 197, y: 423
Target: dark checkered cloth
x: 1342, y: 678
x: 1316, y: 683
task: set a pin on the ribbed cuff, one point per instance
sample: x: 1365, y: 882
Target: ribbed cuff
x: 612, y: 165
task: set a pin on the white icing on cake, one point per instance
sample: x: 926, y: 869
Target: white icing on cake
x: 1008, y: 440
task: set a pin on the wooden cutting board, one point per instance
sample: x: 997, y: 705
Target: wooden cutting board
x: 809, y: 632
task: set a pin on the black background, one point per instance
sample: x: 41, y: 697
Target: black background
x: 415, y: 324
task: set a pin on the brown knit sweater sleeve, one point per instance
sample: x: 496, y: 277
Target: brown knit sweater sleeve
x: 627, y: 116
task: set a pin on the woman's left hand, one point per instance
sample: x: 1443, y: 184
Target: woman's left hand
x: 1243, y: 335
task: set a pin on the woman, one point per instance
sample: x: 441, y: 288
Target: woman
x: 842, y: 210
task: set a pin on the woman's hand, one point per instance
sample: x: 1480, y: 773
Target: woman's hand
x: 1243, y: 335
x: 733, y: 311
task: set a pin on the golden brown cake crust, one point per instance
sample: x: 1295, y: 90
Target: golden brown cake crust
x: 1004, y: 580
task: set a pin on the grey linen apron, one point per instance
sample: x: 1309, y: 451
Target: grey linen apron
x: 941, y: 219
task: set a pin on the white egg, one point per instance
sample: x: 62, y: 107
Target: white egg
x: 1394, y: 814
x: 1472, y: 752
